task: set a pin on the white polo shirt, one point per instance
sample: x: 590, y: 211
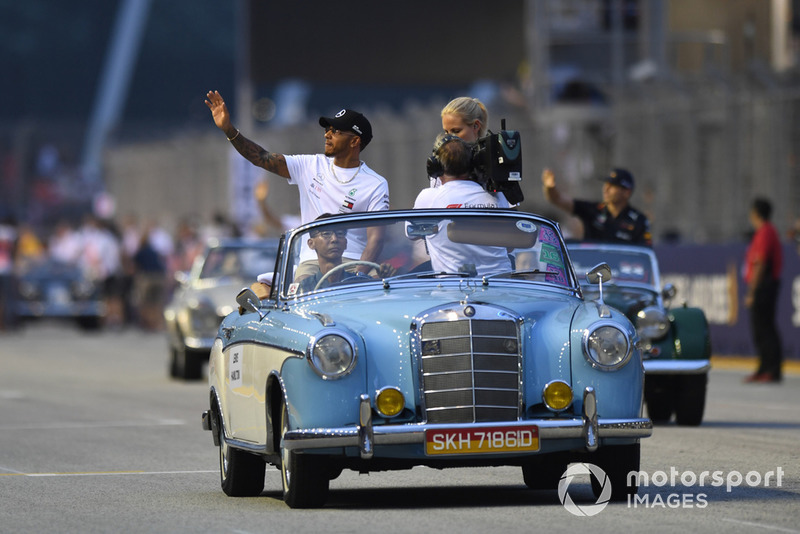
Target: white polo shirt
x: 325, y: 188
x: 452, y: 257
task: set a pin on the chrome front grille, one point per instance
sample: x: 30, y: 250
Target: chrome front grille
x: 470, y: 369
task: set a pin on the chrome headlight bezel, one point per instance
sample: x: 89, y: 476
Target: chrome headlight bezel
x: 652, y: 323
x: 325, y: 350
x: 607, y: 332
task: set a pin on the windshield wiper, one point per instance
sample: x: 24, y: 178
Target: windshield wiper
x: 422, y: 274
x: 516, y: 273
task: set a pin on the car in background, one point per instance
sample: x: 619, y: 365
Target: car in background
x: 206, y: 294
x: 483, y: 353
x: 676, y: 342
x: 51, y: 289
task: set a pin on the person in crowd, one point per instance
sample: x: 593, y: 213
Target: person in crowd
x: 64, y: 244
x: 149, y: 282
x: 8, y: 240
x: 613, y: 219
x: 275, y: 223
x: 334, y: 182
x: 30, y: 248
x: 188, y: 245
x: 100, y: 259
x: 763, y: 265
x: 794, y: 234
x: 453, y: 157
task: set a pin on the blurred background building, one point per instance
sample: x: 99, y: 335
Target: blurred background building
x: 698, y: 98
x: 103, y: 112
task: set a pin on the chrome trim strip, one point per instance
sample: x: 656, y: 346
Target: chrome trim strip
x: 676, y: 367
x: 320, y: 438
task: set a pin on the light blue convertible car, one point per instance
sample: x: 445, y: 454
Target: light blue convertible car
x: 464, y: 341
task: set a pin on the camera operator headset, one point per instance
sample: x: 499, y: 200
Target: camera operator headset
x: 452, y: 162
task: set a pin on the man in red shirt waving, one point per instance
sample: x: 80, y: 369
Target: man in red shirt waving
x: 763, y: 263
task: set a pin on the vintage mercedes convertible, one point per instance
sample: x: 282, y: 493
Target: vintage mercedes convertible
x: 676, y: 342
x: 466, y: 342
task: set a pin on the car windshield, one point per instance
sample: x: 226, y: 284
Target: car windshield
x: 426, y: 246
x: 626, y: 266
x: 240, y: 262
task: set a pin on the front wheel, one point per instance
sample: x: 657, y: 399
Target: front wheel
x: 544, y: 474
x: 617, y: 461
x: 186, y: 363
x: 690, y: 399
x: 241, y: 474
x: 658, y: 396
x: 305, y: 476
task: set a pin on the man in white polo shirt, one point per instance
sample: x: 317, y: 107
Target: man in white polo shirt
x: 334, y: 182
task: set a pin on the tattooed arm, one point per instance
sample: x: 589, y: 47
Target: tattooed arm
x: 251, y: 151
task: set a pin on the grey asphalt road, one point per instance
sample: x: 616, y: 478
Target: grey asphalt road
x: 95, y: 438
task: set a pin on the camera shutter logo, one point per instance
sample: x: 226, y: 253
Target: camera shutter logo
x: 586, y: 509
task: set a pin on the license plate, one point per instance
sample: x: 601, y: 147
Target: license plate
x: 482, y: 440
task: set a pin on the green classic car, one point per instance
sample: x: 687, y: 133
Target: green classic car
x: 675, y: 341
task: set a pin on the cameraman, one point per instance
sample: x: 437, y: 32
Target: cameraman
x: 458, y: 190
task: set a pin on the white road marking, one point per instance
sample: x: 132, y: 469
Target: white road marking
x: 94, y: 424
x: 761, y: 525
x: 103, y: 473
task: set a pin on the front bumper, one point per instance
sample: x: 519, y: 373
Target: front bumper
x: 366, y: 437
x: 676, y: 367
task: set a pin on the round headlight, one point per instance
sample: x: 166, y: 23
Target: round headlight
x: 652, y: 323
x: 606, y: 347
x: 332, y: 355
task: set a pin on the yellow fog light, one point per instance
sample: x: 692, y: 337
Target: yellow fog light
x: 557, y: 395
x: 389, y: 402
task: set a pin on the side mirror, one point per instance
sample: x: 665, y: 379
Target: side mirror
x: 599, y: 274
x: 669, y: 291
x: 248, y: 301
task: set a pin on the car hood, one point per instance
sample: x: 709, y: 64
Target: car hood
x: 221, y: 295
x: 628, y: 299
x: 547, y: 319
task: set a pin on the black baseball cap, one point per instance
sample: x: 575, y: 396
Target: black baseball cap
x: 619, y: 177
x: 348, y: 120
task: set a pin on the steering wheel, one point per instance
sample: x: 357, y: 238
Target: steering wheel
x: 345, y: 266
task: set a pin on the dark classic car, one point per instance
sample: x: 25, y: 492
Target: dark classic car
x: 57, y: 290
x: 467, y: 342
x: 676, y: 343
x: 206, y: 294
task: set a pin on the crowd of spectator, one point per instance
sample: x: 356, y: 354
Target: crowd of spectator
x: 133, y: 260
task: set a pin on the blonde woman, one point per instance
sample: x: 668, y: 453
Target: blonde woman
x: 465, y: 117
